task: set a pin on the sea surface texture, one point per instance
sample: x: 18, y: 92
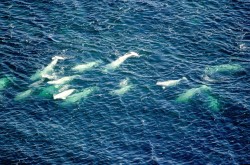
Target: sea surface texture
x: 116, y: 113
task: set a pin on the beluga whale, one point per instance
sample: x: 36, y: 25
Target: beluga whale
x: 213, y: 103
x: 84, y: 94
x: 218, y: 72
x: 170, y: 83
x: 85, y: 67
x: 115, y: 64
x: 63, y: 95
x: 49, y: 91
x: 190, y: 93
x: 47, y: 72
x: 224, y: 68
x: 23, y: 95
x: 63, y: 80
x: 124, y: 88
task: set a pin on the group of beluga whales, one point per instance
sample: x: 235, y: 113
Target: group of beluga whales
x: 46, y: 83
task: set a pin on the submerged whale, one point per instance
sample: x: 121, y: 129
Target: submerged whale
x: 47, y: 72
x: 63, y: 95
x: 23, y: 95
x: 62, y: 80
x: 213, y: 103
x: 86, y: 67
x: 189, y: 94
x: 49, y: 91
x: 4, y: 82
x: 170, y: 83
x: 115, y: 64
x: 219, y: 73
x: 224, y: 68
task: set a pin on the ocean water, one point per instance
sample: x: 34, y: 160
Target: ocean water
x: 142, y: 125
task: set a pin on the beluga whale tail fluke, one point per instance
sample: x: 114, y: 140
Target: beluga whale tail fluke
x: 170, y: 83
x: 115, y: 64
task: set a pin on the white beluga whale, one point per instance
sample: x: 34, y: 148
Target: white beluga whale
x: 63, y: 95
x: 62, y: 80
x: 85, y: 67
x: 170, y: 83
x: 190, y: 93
x: 115, y: 64
x: 124, y: 88
x: 76, y: 97
x: 47, y: 72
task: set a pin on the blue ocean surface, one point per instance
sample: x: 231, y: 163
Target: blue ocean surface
x: 121, y: 115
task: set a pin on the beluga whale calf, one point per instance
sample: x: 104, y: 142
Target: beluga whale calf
x: 115, y: 64
x: 47, y: 72
x: 170, y: 83
x: 85, y: 67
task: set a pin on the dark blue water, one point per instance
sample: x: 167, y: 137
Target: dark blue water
x: 145, y: 125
